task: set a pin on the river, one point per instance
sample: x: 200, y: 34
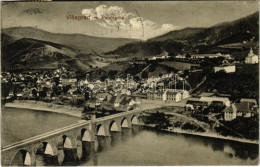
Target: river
x: 136, y: 146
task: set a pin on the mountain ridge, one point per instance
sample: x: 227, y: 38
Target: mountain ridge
x: 198, y: 40
x: 81, y: 42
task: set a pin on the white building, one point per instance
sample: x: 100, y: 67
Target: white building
x: 224, y: 100
x: 227, y: 69
x: 184, y: 93
x: 173, y: 96
x: 230, y: 113
x: 251, y: 58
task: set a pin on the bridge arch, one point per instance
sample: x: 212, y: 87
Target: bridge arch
x: 67, y: 142
x: 113, y: 127
x: 101, y: 130
x: 124, y: 123
x: 21, y: 158
x: 134, y: 120
x: 85, y: 135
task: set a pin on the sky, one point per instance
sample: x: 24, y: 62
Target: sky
x: 127, y: 19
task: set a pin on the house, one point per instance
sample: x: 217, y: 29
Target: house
x: 173, y: 96
x: 127, y: 103
x: 230, y: 113
x: 69, y: 81
x: 251, y: 58
x: 209, y: 100
x: 115, y: 100
x: 195, y: 104
x: 226, y: 68
x: 244, y: 109
x: 160, y: 95
x: 150, y: 95
x: 93, y: 103
x: 184, y: 93
x: 104, y: 96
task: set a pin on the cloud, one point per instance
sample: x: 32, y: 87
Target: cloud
x: 168, y: 27
x: 89, y: 12
x: 108, y: 17
x: 115, y: 17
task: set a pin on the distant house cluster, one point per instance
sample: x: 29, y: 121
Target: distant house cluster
x: 203, y: 56
x: 221, y: 104
x: 47, y: 84
x: 201, y: 103
x: 120, y: 102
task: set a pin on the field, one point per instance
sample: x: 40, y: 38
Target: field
x: 180, y: 66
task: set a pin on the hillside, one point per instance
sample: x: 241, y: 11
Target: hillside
x: 146, y: 49
x: 182, y: 34
x: 29, y: 53
x: 80, y: 42
x: 214, y: 34
x: 200, y: 40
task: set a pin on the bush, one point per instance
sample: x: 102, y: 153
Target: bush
x: 158, y: 119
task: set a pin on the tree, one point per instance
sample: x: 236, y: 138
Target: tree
x: 144, y: 74
x: 43, y: 94
x: 137, y: 78
x: 158, y: 119
x: 187, y: 56
x: 34, y: 93
x: 66, y: 88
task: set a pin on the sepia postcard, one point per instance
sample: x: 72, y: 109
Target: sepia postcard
x: 129, y: 83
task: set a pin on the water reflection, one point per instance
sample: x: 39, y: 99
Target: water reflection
x: 230, y: 148
x: 89, y: 153
x: 103, y: 150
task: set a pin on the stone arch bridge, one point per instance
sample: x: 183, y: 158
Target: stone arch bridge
x: 67, y: 137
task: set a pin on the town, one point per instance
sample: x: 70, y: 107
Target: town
x: 109, y: 96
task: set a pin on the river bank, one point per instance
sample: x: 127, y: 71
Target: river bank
x: 206, y: 134
x: 42, y: 106
x: 212, y: 135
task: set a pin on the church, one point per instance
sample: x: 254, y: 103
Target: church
x: 251, y: 58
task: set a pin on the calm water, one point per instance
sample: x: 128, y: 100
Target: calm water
x: 136, y: 146
x: 19, y: 124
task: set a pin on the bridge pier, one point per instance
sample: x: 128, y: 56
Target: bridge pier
x: 32, y: 159
x: 88, y: 133
x: 129, y: 121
